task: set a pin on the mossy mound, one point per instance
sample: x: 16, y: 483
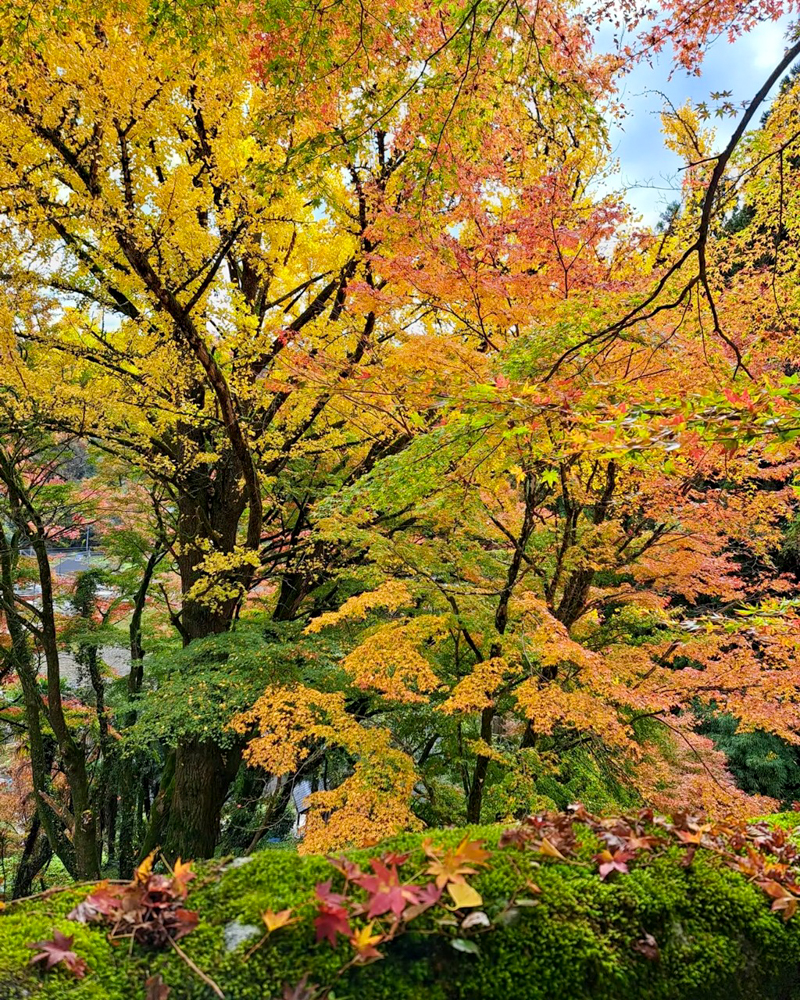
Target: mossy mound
x: 718, y: 939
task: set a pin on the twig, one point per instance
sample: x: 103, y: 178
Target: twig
x: 255, y: 947
x: 198, y: 971
x: 65, y: 888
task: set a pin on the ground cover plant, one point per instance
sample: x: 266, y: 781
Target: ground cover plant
x: 665, y: 908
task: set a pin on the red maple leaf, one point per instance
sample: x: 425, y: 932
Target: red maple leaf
x: 330, y: 921
x: 393, y: 858
x: 103, y: 903
x: 184, y: 923
x: 428, y: 896
x: 386, y: 891
x: 56, y: 950
x: 348, y: 868
x: 325, y: 895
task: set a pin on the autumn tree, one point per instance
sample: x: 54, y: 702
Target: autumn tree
x: 38, y: 507
x: 337, y: 288
x: 213, y: 239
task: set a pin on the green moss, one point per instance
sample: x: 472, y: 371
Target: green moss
x: 785, y: 820
x: 717, y: 936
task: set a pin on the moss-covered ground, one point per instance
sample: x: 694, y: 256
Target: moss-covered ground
x: 717, y: 938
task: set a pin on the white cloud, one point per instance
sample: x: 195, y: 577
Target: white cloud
x: 649, y: 172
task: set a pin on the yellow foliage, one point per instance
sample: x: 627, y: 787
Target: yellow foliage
x: 548, y: 705
x: 370, y: 804
x: 389, y: 661
x: 545, y: 638
x: 391, y: 595
x: 476, y: 691
x: 684, y: 135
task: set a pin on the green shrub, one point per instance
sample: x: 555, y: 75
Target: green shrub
x: 718, y: 939
x: 762, y: 763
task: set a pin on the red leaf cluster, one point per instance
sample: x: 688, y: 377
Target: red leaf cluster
x: 380, y: 894
x: 149, y: 909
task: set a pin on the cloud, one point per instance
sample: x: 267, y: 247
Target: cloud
x: 649, y: 172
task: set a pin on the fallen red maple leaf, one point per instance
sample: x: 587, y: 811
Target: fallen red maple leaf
x: 331, y: 921
x: 325, y: 894
x: 57, y: 950
x: 102, y: 903
x: 385, y: 890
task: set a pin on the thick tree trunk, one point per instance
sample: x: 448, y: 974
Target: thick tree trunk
x: 186, y: 814
x: 203, y: 774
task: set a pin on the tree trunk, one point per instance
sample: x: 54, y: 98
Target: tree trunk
x: 159, y: 811
x: 186, y: 814
x: 36, y: 852
x: 22, y: 660
x: 185, y: 821
x: 475, y: 800
x: 126, y: 818
x: 203, y: 774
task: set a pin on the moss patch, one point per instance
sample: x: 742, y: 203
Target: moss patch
x: 717, y: 937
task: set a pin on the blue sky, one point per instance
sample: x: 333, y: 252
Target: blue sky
x: 648, y: 171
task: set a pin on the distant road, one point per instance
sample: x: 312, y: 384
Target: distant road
x: 68, y: 562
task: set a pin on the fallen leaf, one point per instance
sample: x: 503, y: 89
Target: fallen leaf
x: 550, y: 850
x: 57, y: 950
x: 464, y: 895
x: 364, y: 941
x: 648, y: 946
x: 274, y: 921
x: 156, y: 988
x: 331, y: 921
x: 461, y: 944
x: 145, y: 869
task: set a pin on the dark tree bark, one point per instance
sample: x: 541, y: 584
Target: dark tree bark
x: 36, y: 852
x: 21, y: 657
x: 513, y: 574
x: 203, y: 774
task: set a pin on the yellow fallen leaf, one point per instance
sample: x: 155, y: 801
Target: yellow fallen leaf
x: 550, y: 850
x: 464, y: 895
x: 274, y: 921
x: 146, y: 867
